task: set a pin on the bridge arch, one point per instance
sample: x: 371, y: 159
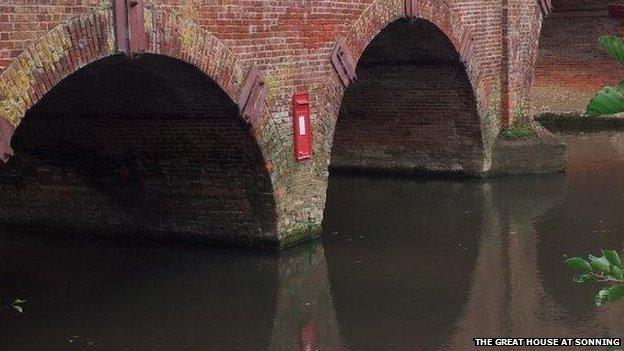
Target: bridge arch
x: 381, y: 13
x: 377, y: 124
x: 89, y: 37
x: 154, y: 167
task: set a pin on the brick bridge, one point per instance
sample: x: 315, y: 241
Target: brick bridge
x: 174, y: 118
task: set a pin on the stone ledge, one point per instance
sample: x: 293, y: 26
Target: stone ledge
x: 538, y: 154
x: 576, y: 123
x: 385, y: 170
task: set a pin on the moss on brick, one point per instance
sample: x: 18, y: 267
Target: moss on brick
x: 517, y: 132
x: 300, y: 233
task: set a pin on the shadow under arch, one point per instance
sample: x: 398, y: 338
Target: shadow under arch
x: 412, y: 109
x: 144, y: 146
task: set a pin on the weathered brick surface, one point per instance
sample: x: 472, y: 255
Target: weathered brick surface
x: 532, y: 155
x: 571, y: 66
x: 496, y: 42
x: 412, y: 108
x: 161, y: 152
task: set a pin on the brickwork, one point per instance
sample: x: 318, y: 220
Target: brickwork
x: 571, y: 67
x: 532, y: 155
x: 524, y: 19
x: 412, y: 108
x: 134, y: 146
x: 290, y: 42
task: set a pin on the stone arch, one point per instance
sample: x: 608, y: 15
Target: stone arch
x: 379, y: 16
x: 174, y: 35
x: 89, y: 37
x: 52, y: 57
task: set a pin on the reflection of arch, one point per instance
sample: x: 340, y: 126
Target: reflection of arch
x: 510, y: 294
x: 386, y: 270
x: 89, y: 37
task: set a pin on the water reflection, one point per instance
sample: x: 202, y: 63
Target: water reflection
x: 404, y: 265
x: 509, y: 280
x: 103, y: 295
x: 305, y: 318
x: 110, y: 295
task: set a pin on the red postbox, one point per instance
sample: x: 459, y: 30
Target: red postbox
x: 302, y: 129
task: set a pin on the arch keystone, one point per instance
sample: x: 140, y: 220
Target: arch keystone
x: 411, y: 8
x: 130, y: 26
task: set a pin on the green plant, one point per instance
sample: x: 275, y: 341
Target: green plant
x: 607, y: 270
x: 609, y: 100
x: 17, y: 305
x: 516, y: 132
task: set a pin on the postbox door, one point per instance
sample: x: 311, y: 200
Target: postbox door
x: 302, y: 127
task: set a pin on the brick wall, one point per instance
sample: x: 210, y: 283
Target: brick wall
x: 571, y: 66
x: 135, y: 146
x: 412, y: 107
x: 22, y: 21
x: 291, y: 42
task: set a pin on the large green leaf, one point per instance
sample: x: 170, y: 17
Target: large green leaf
x: 613, y: 258
x: 580, y: 264
x: 616, y: 273
x: 611, y: 294
x: 608, y: 101
x: 585, y: 278
x: 616, y: 293
x: 614, y: 46
x: 600, y: 264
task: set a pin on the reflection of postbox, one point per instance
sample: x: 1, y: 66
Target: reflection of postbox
x: 308, y: 337
x: 302, y: 130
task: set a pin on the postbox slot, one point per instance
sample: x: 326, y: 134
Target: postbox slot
x: 411, y: 8
x: 302, y: 125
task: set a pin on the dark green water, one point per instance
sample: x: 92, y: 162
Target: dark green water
x: 403, y: 265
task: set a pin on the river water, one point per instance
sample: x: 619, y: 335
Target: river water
x: 403, y: 265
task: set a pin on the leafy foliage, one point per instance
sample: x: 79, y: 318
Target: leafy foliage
x: 614, y: 46
x: 16, y: 305
x: 609, y: 100
x: 517, y: 132
x: 606, y: 269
